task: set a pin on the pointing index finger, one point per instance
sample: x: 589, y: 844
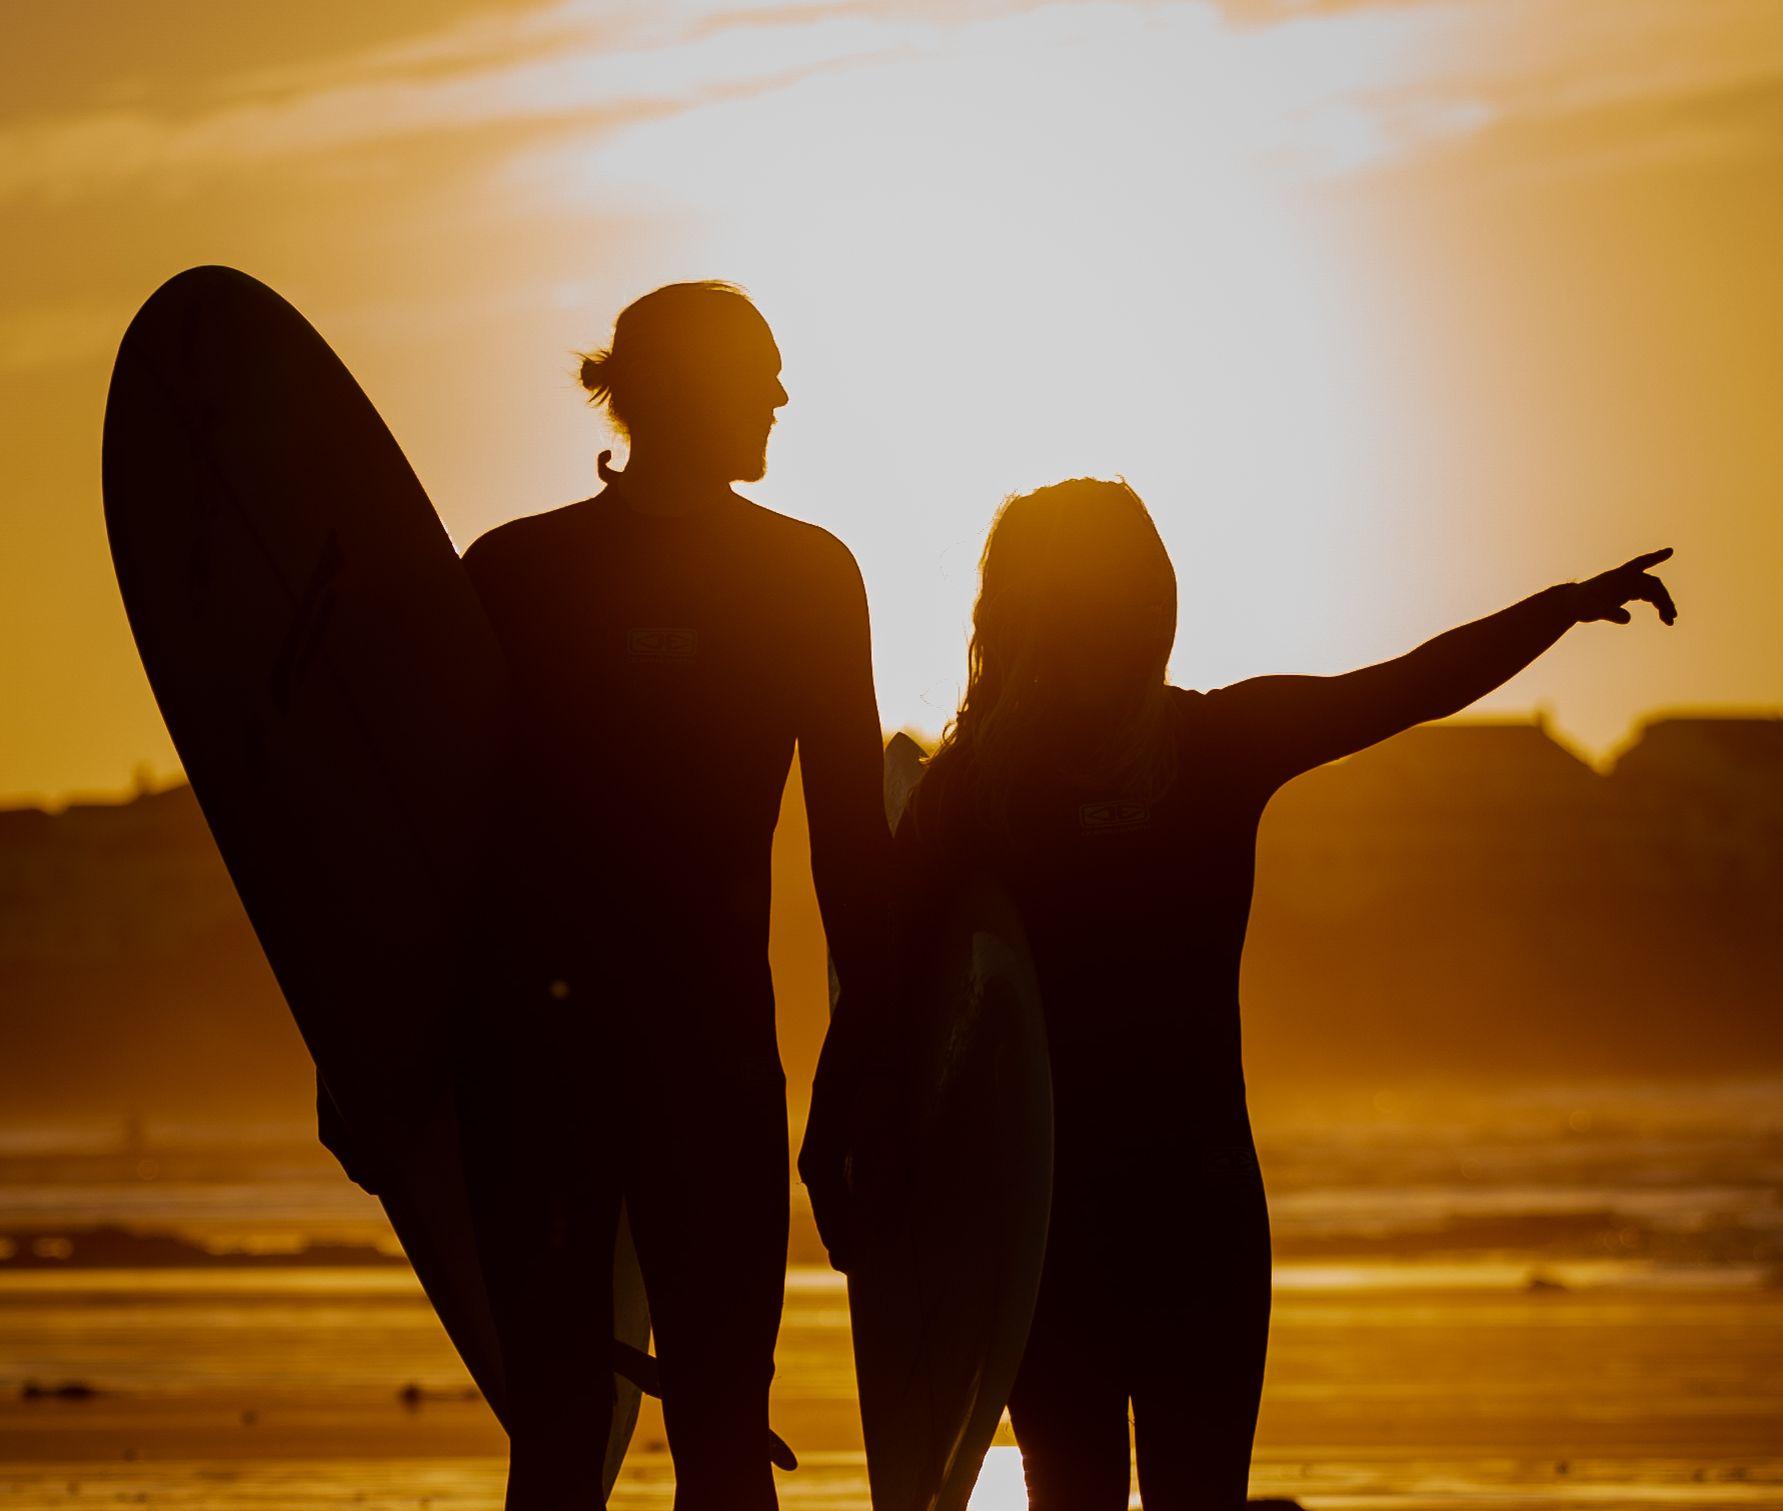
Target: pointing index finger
x: 1657, y: 594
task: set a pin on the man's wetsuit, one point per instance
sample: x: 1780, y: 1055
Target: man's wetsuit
x: 1157, y: 1281
x: 623, y: 1045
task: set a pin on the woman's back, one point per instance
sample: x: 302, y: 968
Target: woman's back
x: 1136, y: 915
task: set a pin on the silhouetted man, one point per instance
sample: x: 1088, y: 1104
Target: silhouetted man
x: 671, y: 642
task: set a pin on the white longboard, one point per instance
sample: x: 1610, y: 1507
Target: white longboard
x: 947, y: 1266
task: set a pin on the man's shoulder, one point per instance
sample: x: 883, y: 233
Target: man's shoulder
x: 522, y: 539
x: 801, y: 544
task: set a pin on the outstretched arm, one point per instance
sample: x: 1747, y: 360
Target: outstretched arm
x: 1292, y: 724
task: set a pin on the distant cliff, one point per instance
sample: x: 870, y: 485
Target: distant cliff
x: 1464, y: 901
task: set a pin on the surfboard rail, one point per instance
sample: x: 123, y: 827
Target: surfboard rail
x: 948, y: 1268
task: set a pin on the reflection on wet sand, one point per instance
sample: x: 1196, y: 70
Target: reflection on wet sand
x: 1524, y: 1306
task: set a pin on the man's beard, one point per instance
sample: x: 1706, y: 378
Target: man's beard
x: 737, y: 456
x: 753, y: 463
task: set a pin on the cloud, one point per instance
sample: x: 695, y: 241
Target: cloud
x: 1337, y: 86
x: 1579, y: 84
x: 571, y: 63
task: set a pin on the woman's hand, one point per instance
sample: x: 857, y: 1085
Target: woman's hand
x: 1606, y: 595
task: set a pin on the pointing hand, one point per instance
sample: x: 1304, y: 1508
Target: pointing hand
x: 1606, y: 595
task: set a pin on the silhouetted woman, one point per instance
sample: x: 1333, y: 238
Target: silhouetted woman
x: 1122, y: 813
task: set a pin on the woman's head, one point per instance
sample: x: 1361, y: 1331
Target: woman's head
x: 693, y: 368
x: 1075, y: 618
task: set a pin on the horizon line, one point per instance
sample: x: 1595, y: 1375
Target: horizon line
x: 1542, y: 717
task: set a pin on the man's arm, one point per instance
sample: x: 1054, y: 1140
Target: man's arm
x: 1292, y: 724
x: 841, y: 758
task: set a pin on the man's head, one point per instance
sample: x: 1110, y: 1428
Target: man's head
x: 692, y: 370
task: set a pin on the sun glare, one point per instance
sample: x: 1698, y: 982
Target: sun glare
x: 1011, y: 263
x: 1000, y: 1486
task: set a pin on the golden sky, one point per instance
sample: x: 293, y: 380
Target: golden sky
x: 1393, y: 312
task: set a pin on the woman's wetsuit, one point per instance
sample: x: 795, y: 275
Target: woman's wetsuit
x: 1156, y: 1288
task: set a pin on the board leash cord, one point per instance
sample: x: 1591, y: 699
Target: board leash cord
x: 643, y: 1371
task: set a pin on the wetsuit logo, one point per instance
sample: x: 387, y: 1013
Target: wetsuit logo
x: 1103, y: 818
x: 661, y: 645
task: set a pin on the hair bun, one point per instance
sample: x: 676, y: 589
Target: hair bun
x: 594, y: 373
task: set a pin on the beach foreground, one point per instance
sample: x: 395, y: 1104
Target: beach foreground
x: 1564, y: 1307
x: 308, y: 1387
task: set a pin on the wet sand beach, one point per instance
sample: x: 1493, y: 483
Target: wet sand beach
x: 289, y: 1393
x: 1589, y: 1324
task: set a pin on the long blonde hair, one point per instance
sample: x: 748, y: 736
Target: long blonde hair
x: 1075, y: 572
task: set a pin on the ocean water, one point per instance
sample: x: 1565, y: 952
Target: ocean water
x: 1582, y: 1306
